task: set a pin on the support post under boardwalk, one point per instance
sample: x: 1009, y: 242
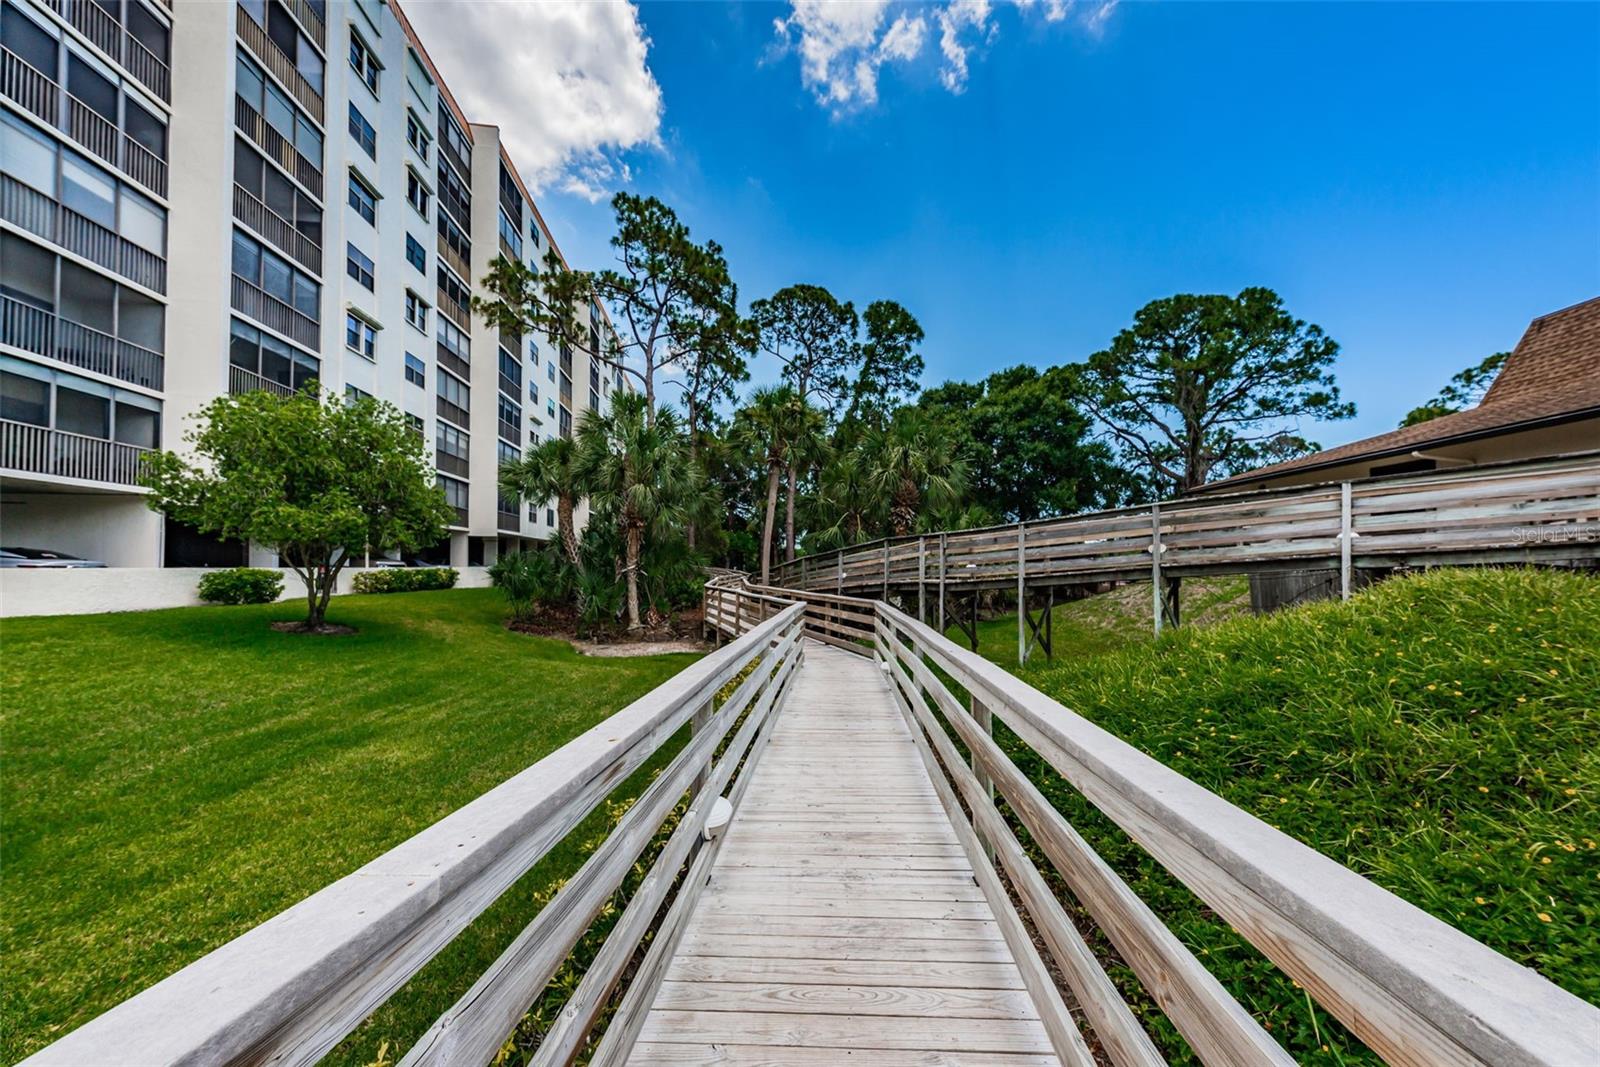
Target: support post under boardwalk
x: 1345, y: 534
x: 1022, y: 594
x: 1155, y: 565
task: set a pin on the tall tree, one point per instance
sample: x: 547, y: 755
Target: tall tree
x: 848, y: 508
x: 913, y: 463
x: 713, y: 345
x: 638, y: 475
x: 762, y: 427
x: 321, y: 482
x: 549, y: 472
x: 807, y: 446
x: 1028, y: 444
x: 890, y: 366
x: 1465, y: 390
x: 1201, y: 386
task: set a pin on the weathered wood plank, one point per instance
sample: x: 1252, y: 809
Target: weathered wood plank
x: 846, y: 1031
x: 930, y: 974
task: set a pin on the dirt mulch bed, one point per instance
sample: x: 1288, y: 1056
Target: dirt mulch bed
x: 681, y: 633
x: 327, y: 629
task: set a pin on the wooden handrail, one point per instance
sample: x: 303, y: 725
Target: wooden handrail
x: 1412, y: 987
x: 290, y: 989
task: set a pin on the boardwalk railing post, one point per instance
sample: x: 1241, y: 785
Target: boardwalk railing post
x: 985, y: 720
x: 1345, y: 535
x: 1155, y: 565
x: 885, y: 570
x: 1022, y: 594
x: 941, y: 581
x: 697, y: 724
x: 922, y: 580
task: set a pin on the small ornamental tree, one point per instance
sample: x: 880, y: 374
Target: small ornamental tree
x: 322, y: 482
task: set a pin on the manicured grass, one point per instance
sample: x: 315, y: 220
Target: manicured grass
x: 173, y: 778
x: 1439, y: 734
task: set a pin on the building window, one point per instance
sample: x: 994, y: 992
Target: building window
x: 362, y: 131
x: 452, y: 391
x: 272, y: 274
x: 550, y: 371
x: 454, y: 137
x: 417, y: 135
x: 454, y: 341
x: 363, y: 62
x: 452, y: 442
x: 358, y: 265
x: 533, y: 391
x: 352, y: 395
x: 360, y: 336
x: 509, y: 234
x: 416, y: 311
x: 414, y: 423
x: 416, y: 372
x: 417, y: 194
x: 549, y: 516
x: 455, y: 493
x: 416, y: 255
x: 363, y: 199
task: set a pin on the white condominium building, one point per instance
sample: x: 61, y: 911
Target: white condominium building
x: 215, y: 197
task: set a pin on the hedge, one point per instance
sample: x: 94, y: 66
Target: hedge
x: 405, y: 579
x: 241, y: 585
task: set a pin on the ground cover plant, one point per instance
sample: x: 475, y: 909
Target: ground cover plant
x: 1437, y: 734
x: 173, y: 778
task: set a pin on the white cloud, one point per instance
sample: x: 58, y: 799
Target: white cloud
x: 567, y: 82
x: 842, y: 44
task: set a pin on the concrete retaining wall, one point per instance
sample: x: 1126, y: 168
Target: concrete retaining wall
x: 26, y: 591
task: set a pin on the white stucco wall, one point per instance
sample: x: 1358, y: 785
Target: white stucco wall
x: 25, y: 591
x: 116, y: 529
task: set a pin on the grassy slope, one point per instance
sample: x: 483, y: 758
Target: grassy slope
x: 1440, y: 734
x: 173, y: 778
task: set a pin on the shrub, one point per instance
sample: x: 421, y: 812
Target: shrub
x: 529, y: 579
x: 241, y: 585
x: 405, y: 579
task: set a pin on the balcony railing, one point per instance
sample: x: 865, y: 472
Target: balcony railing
x: 276, y: 229
x: 455, y: 259
x: 276, y: 146
x: 26, y: 207
x: 449, y: 464
x: 510, y: 521
x: 106, y: 34
x: 459, y: 313
x: 40, y: 450
x: 510, y: 388
x: 241, y: 381
x: 283, y: 68
x: 47, y: 334
x: 454, y: 363
x: 310, y: 21
x: 37, y: 93
x: 461, y: 517
x: 249, y: 299
x: 509, y: 431
x: 454, y: 413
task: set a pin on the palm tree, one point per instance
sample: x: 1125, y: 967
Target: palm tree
x: 912, y: 462
x: 807, y: 446
x: 638, y: 473
x: 545, y: 473
x: 847, y: 508
x: 762, y: 427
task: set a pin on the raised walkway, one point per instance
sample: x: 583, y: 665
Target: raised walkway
x: 842, y: 921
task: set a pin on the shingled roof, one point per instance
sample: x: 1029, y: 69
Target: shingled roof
x: 1552, y: 375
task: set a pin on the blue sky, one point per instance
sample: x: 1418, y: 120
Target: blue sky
x: 1420, y: 180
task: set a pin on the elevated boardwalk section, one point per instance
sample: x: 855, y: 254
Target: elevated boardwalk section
x: 842, y: 920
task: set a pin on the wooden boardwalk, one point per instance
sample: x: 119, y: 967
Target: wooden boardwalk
x: 842, y: 922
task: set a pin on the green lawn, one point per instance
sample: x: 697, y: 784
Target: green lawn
x: 1439, y: 734
x: 173, y: 778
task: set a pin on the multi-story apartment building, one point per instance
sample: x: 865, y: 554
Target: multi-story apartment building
x: 221, y: 197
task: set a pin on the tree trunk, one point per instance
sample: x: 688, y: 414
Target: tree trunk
x: 766, y: 528
x: 635, y: 541
x: 788, y: 522
x: 569, y: 533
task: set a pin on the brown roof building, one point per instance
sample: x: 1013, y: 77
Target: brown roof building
x: 1545, y: 402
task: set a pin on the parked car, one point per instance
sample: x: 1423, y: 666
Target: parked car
x: 43, y: 557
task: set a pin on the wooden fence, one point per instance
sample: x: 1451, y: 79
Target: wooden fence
x: 1513, y: 512
x: 289, y: 990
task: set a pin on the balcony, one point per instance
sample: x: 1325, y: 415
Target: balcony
x: 509, y: 431
x: 47, y: 334
x: 258, y: 304
x: 459, y: 313
x: 276, y: 229
x: 449, y: 464
x: 27, y: 208
x: 510, y: 388
x: 456, y: 261
x: 453, y: 413
x: 38, y: 94
x: 276, y: 146
x: 509, y: 521
x: 108, y: 35
x: 241, y: 381
x: 40, y: 450
x: 282, y: 67
x: 454, y: 363
x: 461, y: 517
x: 311, y: 21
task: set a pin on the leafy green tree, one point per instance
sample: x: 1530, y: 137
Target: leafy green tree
x: 638, y: 476
x: 321, y: 482
x: 1465, y: 390
x: 807, y: 447
x: 549, y: 472
x: 761, y: 427
x: 913, y: 462
x: 1203, y: 386
x: 848, y: 507
x: 813, y: 335
x: 1028, y: 444
x: 890, y: 366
